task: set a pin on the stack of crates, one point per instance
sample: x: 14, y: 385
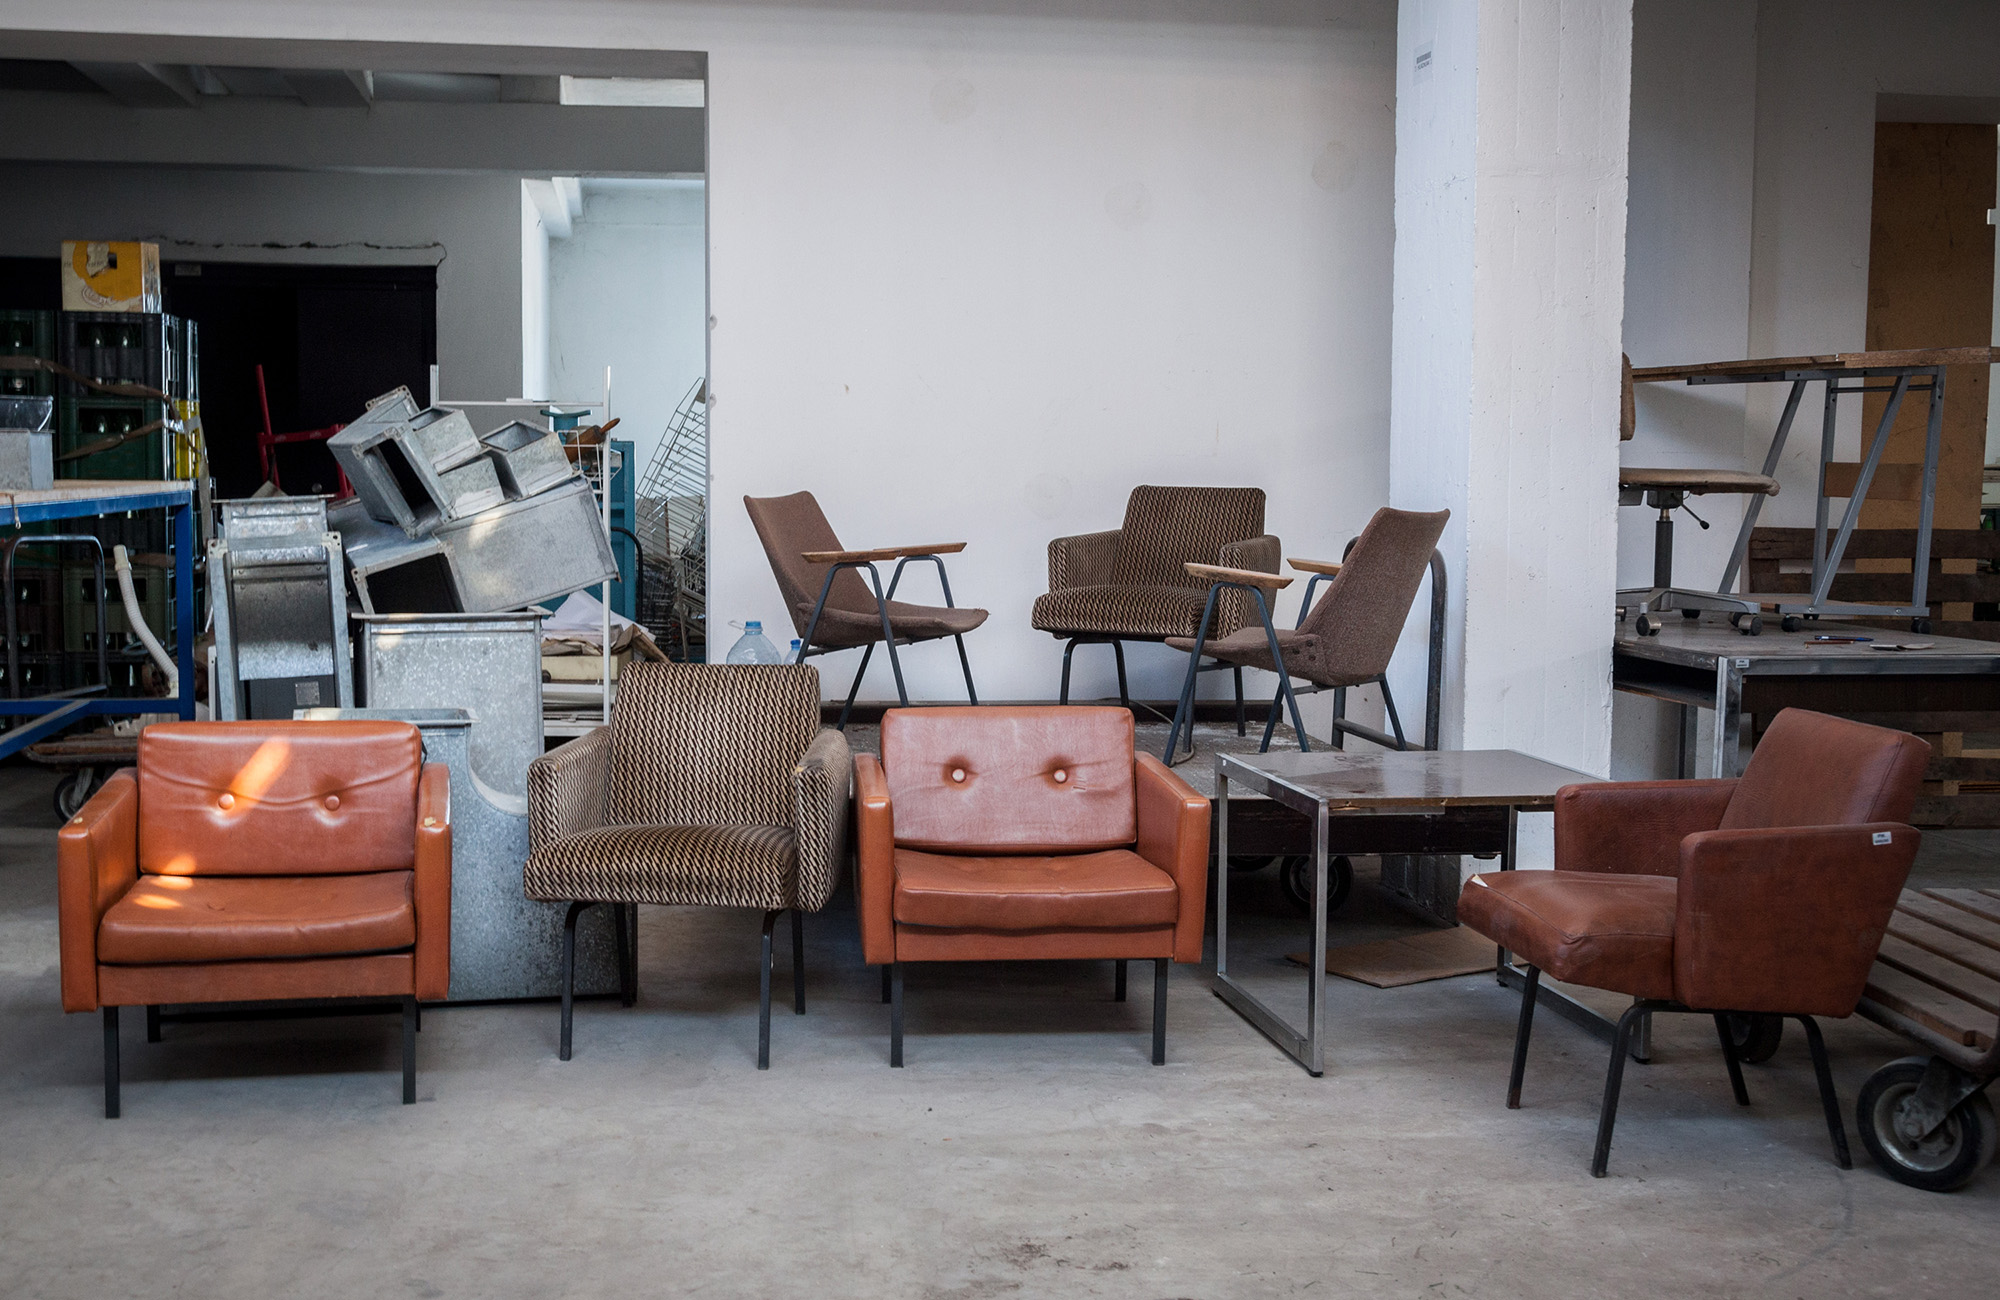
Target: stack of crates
x: 147, y: 348
x: 27, y: 334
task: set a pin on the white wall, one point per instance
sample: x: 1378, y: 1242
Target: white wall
x: 534, y: 297
x: 627, y: 289
x: 469, y: 226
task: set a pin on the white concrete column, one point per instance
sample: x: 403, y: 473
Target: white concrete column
x: 1511, y: 123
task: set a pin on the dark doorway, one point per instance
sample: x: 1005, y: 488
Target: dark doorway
x: 329, y: 338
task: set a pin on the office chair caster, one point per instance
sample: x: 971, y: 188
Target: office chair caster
x: 1690, y: 613
x: 1791, y: 623
x: 1748, y: 624
x: 1921, y: 626
x: 1648, y: 625
x: 1295, y: 876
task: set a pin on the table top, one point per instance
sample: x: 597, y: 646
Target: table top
x: 85, y: 496
x: 1706, y: 642
x: 1353, y: 779
x: 1975, y: 356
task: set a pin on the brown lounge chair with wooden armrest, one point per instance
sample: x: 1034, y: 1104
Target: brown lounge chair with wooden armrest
x: 1345, y: 640
x: 830, y: 607
x: 1762, y: 896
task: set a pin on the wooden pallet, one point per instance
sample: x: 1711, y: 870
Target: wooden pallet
x: 1939, y: 969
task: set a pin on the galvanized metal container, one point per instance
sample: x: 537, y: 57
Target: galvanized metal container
x: 27, y: 459
x: 280, y: 627
x: 525, y: 552
x: 390, y: 571
x: 529, y: 457
x: 249, y: 522
x: 417, y: 472
x: 490, y: 665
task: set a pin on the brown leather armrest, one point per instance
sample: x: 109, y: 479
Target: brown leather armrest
x: 1173, y: 836
x: 433, y: 883
x: 97, y: 860
x: 1083, y: 560
x: 569, y: 788
x: 874, y: 861
x: 1634, y: 827
x: 819, y: 815
x: 1785, y: 919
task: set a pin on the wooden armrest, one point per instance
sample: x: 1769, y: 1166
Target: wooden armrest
x: 1216, y: 573
x: 881, y: 553
x: 1325, y: 567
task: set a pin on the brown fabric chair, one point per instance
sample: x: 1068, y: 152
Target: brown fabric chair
x: 713, y: 786
x: 1019, y: 834
x: 1131, y: 583
x: 1763, y: 895
x: 832, y: 610
x: 259, y: 861
x: 1343, y: 641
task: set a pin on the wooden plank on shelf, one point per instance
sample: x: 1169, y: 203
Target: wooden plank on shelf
x: 1952, y: 1017
x: 1967, y: 810
x: 1896, y: 482
x: 1892, y: 588
x: 1884, y: 359
x: 1974, y: 901
x: 1946, y: 917
x: 1980, y: 990
x: 1879, y: 544
x: 1912, y: 929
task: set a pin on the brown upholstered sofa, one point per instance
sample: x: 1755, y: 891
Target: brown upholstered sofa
x: 1003, y: 833
x: 256, y: 861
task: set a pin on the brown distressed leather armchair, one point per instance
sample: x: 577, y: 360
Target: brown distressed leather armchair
x: 1764, y: 895
x: 1017, y: 834
x: 259, y: 861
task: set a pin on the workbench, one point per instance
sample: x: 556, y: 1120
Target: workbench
x: 1704, y: 664
x: 84, y: 499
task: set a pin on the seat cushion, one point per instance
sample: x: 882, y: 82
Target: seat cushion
x: 1250, y: 647
x: 164, y: 919
x: 710, y: 866
x: 849, y: 627
x: 1114, y: 889
x: 1148, y: 612
x: 1583, y: 927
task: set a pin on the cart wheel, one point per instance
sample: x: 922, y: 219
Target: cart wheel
x: 1921, y: 626
x: 1752, y: 626
x: 1756, y: 1036
x: 1648, y: 625
x: 1296, y: 877
x: 1945, y: 1160
x: 1790, y: 623
x: 1690, y: 613
x: 73, y: 791
x: 1242, y: 864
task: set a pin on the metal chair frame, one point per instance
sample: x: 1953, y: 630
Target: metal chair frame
x: 1117, y: 644
x: 889, y: 637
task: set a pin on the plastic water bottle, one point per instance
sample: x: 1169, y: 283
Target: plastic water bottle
x: 795, y: 657
x: 753, y: 647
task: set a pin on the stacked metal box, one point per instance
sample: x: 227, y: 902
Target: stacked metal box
x: 446, y: 522
x: 280, y: 602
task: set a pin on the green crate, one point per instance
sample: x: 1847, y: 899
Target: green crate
x: 86, y: 420
x: 27, y: 334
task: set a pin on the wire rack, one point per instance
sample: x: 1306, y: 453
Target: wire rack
x: 672, y: 523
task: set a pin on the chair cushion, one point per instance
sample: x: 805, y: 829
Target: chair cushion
x: 1582, y: 927
x: 711, y: 866
x: 848, y: 628
x: 1251, y: 648
x: 165, y: 919
x: 1148, y: 612
x: 1810, y: 769
x: 1115, y: 889
x: 709, y: 744
x: 1167, y: 526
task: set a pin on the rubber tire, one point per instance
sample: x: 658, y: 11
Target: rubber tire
x: 1756, y: 1035
x: 1294, y: 875
x: 73, y: 791
x: 1648, y: 625
x: 1790, y: 622
x: 1959, y: 1150
x: 1920, y: 626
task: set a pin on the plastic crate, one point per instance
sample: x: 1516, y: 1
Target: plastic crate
x: 125, y: 348
x: 27, y: 334
x: 88, y: 420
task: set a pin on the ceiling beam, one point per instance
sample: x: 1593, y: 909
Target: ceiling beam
x: 143, y: 85
x: 331, y: 88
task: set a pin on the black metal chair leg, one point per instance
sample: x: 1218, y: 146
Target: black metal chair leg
x: 888, y: 636
x: 1521, y: 1032
x: 569, y: 974
x: 627, y: 993
x: 885, y: 985
x: 1339, y: 716
x: 111, y: 1062
x: 798, y: 964
x: 764, y: 993
x: 1124, y: 690
x: 1184, y: 711
x: 854, y: 688
x: 971, y: 695
x: 1159, y: 1011
x: 1242, y: 720
x: 1062, y: 696
x: 1389, y: 706
x: 896, y: 1015
x: 410, y: 1050
x: 1729, y: 1058
x: 1271, y: 720
x: 153, y: 1023
x: 1608, y: 1116
x: 1278, y: 662
x: 1118, y: 981
x: 1828, y: 1097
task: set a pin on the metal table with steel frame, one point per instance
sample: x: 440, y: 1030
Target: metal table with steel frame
x: 1918, y: 370
x: 1461, y: 801
x: 82, y: 499
x: 1704, y: 666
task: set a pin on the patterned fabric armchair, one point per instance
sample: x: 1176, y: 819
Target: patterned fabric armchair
x: 712, y: 786
x: 1132, y: 583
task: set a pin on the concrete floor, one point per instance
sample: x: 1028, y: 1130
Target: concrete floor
x: 1028, y: 1149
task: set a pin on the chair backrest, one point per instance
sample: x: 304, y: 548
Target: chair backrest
x: 710, y: 744
x: 789, y: 526
x: 1357, y: 623
x: 1165, y: 527
x: 1011, y: 780
x: 1811, y: 769
x: 278, y: 798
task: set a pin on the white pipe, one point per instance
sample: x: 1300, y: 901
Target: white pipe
x: 123, y: 565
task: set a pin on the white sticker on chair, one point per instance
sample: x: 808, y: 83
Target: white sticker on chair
x: 1882, y: 837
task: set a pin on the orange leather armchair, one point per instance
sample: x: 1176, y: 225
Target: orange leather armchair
x: 1001, y: 834
x: 1766, y: 895
x: 255, y: 861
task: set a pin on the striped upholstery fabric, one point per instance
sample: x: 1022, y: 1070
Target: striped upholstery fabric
x: 712, y: 785
x: 1165, y: 527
